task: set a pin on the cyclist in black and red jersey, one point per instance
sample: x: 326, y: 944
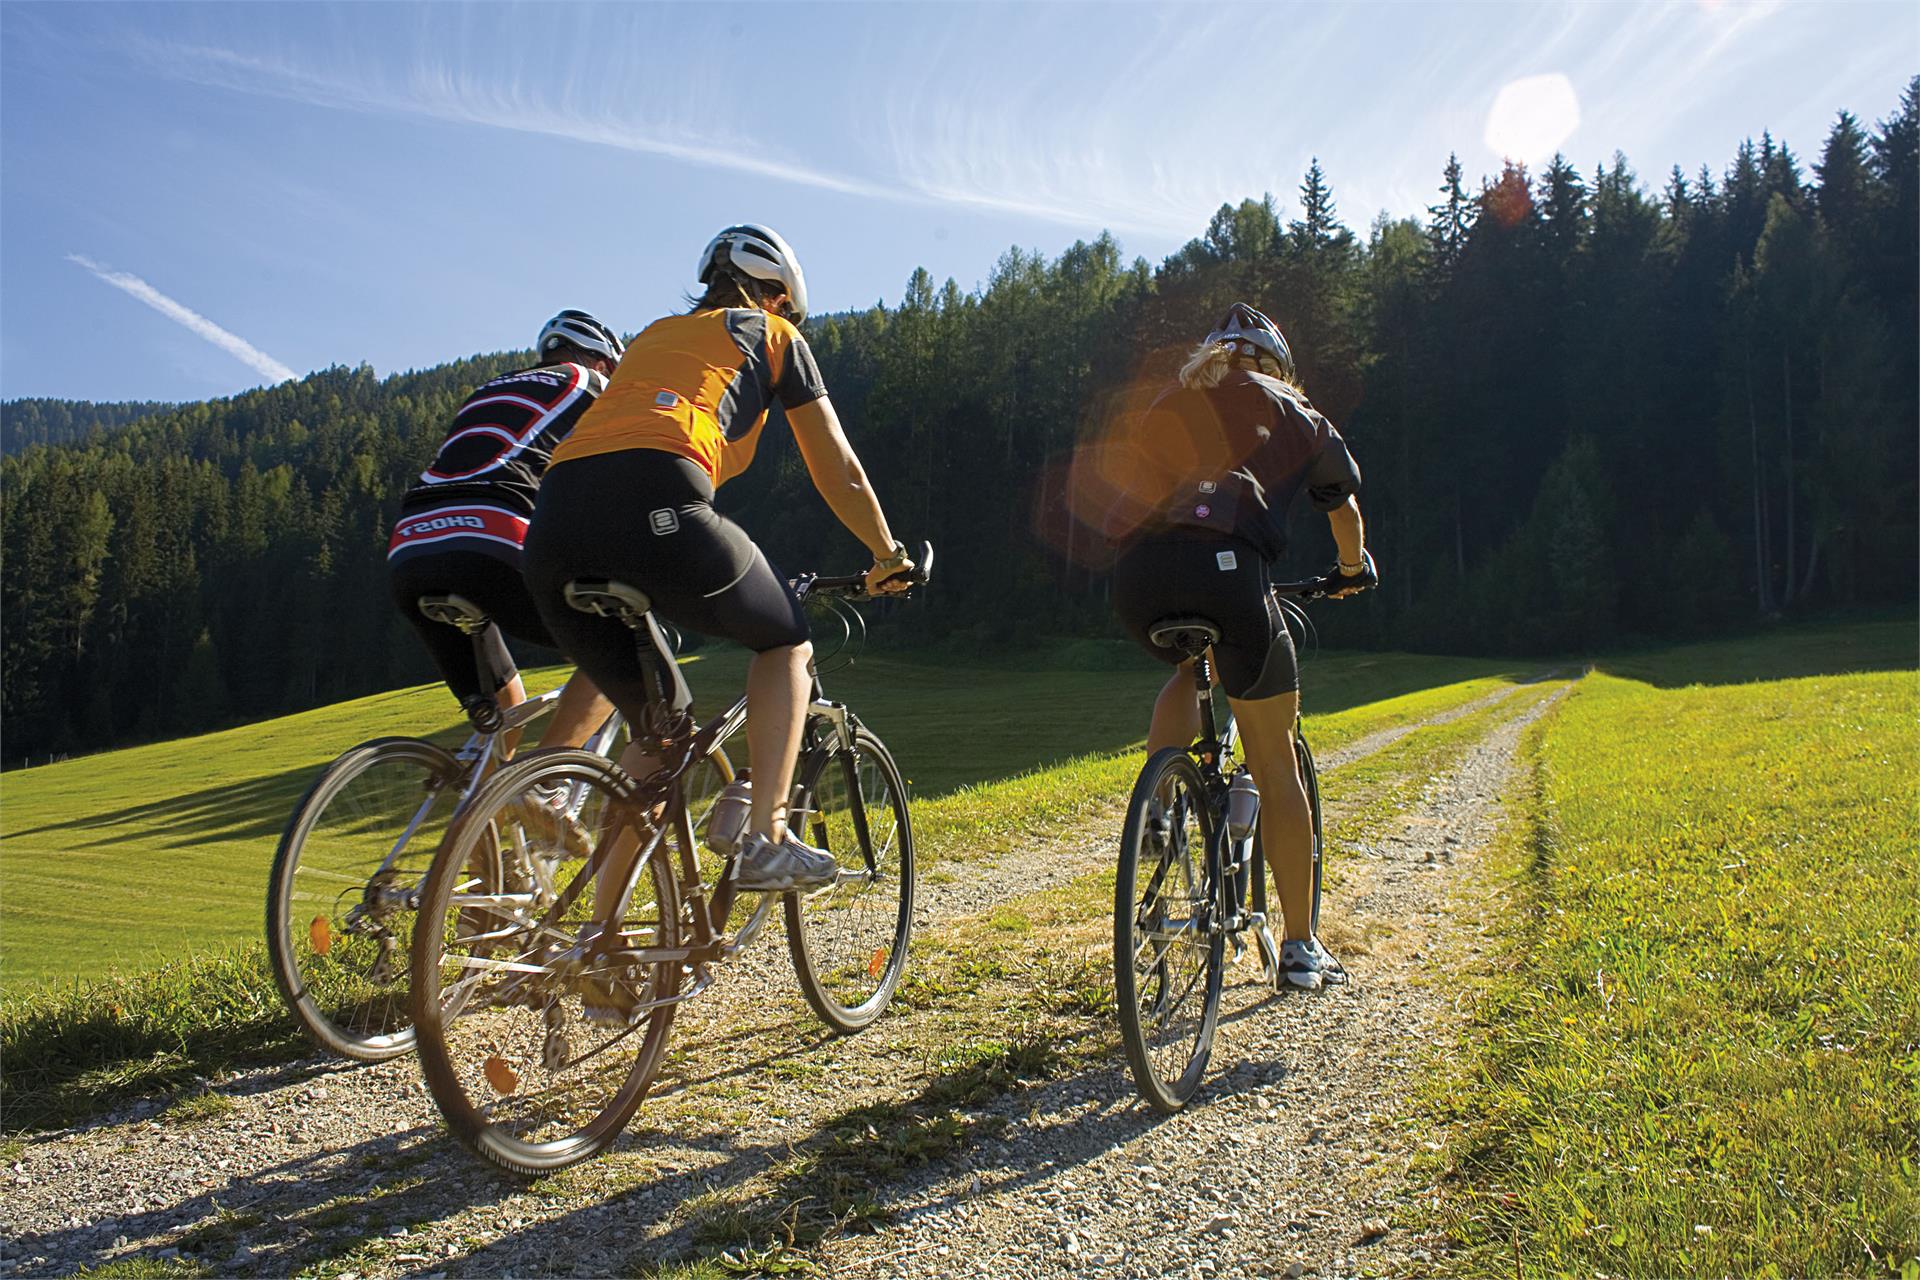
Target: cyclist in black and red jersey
x: 1199, y: 486
x: 462, y: 524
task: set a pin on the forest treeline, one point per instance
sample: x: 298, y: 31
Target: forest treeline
x: 40, y: 421
x: 1587, y: 409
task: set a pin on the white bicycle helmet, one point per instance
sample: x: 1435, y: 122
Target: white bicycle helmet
x: 1256, y: 338
x: 581, y: 330
x: 757, y: 251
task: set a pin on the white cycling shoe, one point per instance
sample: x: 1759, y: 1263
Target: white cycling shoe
x: 1307, y: 965
x: 766, y: 867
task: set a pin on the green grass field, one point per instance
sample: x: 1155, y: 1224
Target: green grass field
x: 1702, y: 1052
x: 130, y: 858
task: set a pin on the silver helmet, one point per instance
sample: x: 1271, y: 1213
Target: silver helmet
x: 581, y: 330
x: 1255, y: 338
x: 757, y: 251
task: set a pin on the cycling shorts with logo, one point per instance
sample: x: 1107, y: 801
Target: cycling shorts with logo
x: 645, y: 517
x: 441, y: 557
x: 1221, y: 579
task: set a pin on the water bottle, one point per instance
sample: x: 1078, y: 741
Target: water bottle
x: 1243, y: 805
x: 727, y: 823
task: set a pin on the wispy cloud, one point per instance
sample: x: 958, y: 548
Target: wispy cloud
x: 186, y: 317
x: 435, y: 91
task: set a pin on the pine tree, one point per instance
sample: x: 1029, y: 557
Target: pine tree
x: 1452, y: 218
x: 1847, y: 192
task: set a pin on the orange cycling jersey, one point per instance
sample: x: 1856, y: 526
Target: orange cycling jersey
x: 699, y: 386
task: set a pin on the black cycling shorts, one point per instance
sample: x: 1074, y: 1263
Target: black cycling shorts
x: 646, y: 518
x: 486, y: 573
x: 1223, y: 580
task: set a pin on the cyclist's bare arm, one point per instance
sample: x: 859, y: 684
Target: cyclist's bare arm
x: 838, y: 475
x: 1349, y: 534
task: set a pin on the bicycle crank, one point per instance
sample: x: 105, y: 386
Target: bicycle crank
x: 555, y: 1052
x: 384, y: 970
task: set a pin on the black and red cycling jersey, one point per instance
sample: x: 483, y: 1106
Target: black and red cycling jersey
x: 484, y: 477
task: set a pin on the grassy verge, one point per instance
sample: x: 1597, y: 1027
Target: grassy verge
x: 72, y: 1050
x: 1701, y: 1051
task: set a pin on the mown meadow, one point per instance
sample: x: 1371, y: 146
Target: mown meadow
x: 1699, y: 1049
x: 135, y: 880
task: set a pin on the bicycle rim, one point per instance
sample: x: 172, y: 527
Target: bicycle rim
x: 849, y: 940
x: 338, y: 929
x: 502, y: 981
x: 1167, y: 950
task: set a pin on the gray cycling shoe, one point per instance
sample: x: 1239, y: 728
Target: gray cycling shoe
x: 766, y: 867
x: 1308, y: 966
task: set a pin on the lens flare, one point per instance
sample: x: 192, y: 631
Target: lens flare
x: 1532, y: 118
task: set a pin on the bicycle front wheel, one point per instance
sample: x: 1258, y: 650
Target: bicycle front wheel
x: 339, y: 913
x: 1167, y: 946
x: 849, y: 940
x: 544, y: 996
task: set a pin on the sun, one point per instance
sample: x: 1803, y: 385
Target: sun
x: 1532, y: 117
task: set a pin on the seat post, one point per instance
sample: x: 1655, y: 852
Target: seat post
x: 1203, y: 688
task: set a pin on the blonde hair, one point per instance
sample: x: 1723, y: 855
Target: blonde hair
x: 1209, y: 362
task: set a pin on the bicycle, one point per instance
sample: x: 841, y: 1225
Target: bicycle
x: 1188, y: 883
x: 348, y: 871
x: 541, y: 1028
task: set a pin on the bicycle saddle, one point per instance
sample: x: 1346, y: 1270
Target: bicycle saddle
x: 607, y: 598
x: 455, y: 611
x: 1189, y: 635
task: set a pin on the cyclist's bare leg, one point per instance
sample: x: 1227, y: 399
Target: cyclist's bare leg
x: 1176, y: 712
x: 1286, y: 824
x: 511, y: 694
x: 582, y: 709
x: 778, y: 694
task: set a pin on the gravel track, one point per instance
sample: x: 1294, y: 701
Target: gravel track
x: 298, y: 1163
x: 1278, y: 1167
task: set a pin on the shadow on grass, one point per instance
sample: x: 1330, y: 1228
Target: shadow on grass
x: 256, y: 809
x: 1786, y: 653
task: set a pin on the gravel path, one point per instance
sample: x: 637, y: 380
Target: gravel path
x: 286, y: 1167
x: 1278, y: 1168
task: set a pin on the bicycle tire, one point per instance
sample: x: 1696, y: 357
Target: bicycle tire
x: 316, y: 985
x: 474, y: 1120
x: 1171, y: 769
x: 847, y: 955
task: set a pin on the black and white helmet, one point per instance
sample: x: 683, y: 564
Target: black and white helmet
x: 757, y: 251
x: 1256, y: 339
x: 581, y: 330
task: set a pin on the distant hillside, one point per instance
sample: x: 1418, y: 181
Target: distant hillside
x: 36, y: 421
x: 1588, y: 409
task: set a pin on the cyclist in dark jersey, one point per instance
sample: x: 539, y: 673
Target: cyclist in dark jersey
x: 462, y: 524
x: 630, y: 498
x: 1205, y: 477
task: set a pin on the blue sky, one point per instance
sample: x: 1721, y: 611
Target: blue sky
x: 195, y: 199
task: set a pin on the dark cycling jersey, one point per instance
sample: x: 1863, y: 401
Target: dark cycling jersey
x: 1230, y: 459
x: 700, y: 386
x: 483, y: 481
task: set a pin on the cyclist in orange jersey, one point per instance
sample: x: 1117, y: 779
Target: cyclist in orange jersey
x: 629, y: 497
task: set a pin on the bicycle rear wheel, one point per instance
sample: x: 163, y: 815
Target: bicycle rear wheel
x: 849, y: 940
x: 1167, y: 948
x: 503, y: 976
x: 339, y: 916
